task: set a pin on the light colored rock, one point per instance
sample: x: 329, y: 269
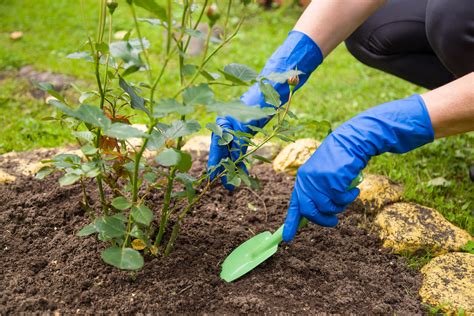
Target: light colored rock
x: 375, y: 192
x: 448, y: 282
x: 198, y: 144
x: 16, y: 35
x: 28, y: 163
x: 6, y: 177
x: 294, y: 155
x: 408, y: 227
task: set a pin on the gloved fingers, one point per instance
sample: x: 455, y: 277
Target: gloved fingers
x: 345, y: 198
x: 226, y: 185
x: 292, y: 220
x: 309, y: 210
x: 216, y: 154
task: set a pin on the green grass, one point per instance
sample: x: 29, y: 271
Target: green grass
x: 339, y: 89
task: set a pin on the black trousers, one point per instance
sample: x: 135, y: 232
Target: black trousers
x: 427, y: 42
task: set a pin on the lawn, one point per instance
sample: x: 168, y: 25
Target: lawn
x: 339, y: 89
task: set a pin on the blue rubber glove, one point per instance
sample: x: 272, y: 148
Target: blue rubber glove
x: 297, y: 52
x: 321, y: 187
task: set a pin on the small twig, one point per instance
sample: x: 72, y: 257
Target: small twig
x: 186, y: 288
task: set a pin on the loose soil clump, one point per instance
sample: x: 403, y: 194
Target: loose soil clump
x: 45, y: 267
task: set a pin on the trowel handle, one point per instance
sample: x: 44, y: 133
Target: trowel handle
x: 304, y: 221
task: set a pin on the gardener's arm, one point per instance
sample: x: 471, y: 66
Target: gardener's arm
x: 451, y: 107
x: 322, y: 183
x: 330, y: 22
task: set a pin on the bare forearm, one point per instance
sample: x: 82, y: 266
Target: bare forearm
x: 330, y: 22
x: 451, y: 107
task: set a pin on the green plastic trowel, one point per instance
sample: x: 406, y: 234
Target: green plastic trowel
x: 257, y: 249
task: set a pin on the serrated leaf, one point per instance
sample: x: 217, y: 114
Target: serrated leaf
x: 240, y: 111
x: 69, y: 179
x: 87, y: 230
x: 271, y: 95
x: 136, y: 101
x: 189, y: 69
x: 238, y: 73
x: 225, y: 139
x: 216, y: 129
x: 156, y: 140
x: 173, y: 157
x: 210, y: 75
x: 121, y: 203
x: 86, y: 136
x: 152, y: 7
x: 200, y: 94
x: 123, y: 258
x: 129, y: 51
x: 282, y: 77
x: 123, y: 131
x: 182, y: 128
x: 110, y: 226
x: 142, y: 214
x: 86, y: 113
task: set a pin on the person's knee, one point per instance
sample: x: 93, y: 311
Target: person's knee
x: 358, y: 44
x: 450, y: 32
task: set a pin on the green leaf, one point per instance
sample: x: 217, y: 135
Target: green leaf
x: 69, y: 179
x: 124, y: 131
x: 88, y: 150
x: 173, y: 157
x: 166, y: 106
x: 209, y: 75
x: 86, y: 113
x: 44, y: 172
x: 200, y: 94
x: 225, y: 139
x: 156, y: 140
x: 81, y: 55
x: 240, y: 111
x: 87, y: 230
x: 136, y: 101
x: 92, y: 115
x: 182, y: 128
x: 85, y: 136
x: 239, y: 74
x: 152, y: 7
x: 261, y: 158
x: 271, y: 95
x: 216, y: 129
x: 129, y: 51
x: 282, y: 77
x: 189, y: 69
x: 123, y: 258
x: 142, y: 214
x: 121, y: 203
x: 110, y: 226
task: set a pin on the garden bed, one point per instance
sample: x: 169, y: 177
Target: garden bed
x: 342, y: 270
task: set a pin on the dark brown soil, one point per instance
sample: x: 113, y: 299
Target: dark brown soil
x: 45, y: 267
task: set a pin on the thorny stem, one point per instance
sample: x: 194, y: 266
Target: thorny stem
x: 100, y: 34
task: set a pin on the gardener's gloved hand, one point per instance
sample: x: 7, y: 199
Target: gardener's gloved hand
x: 321, y: 187
x: 297, y: 52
